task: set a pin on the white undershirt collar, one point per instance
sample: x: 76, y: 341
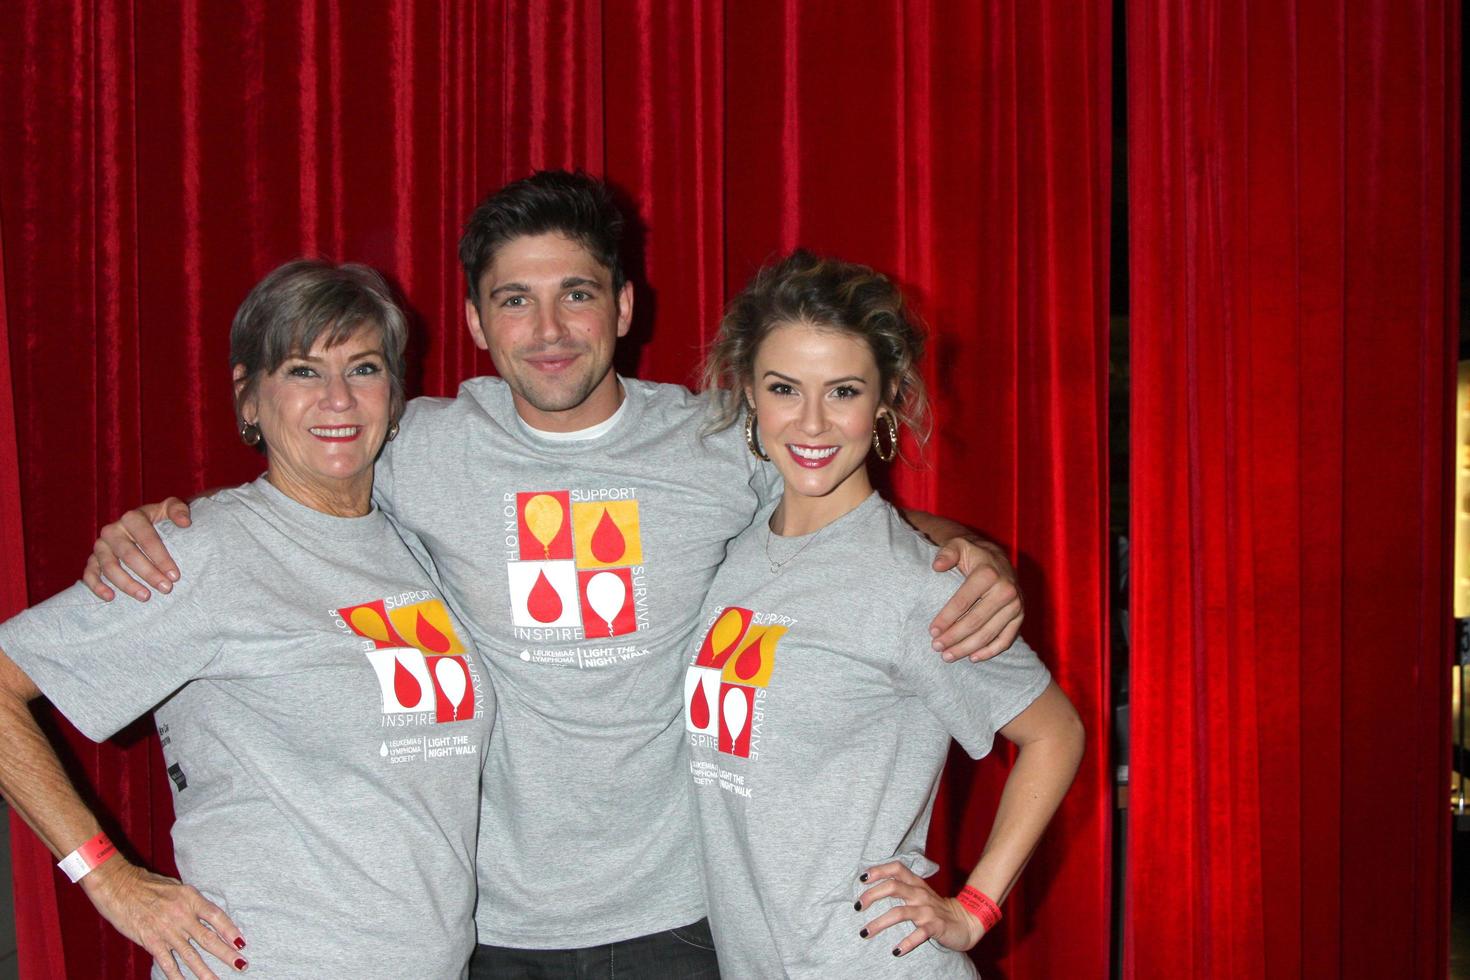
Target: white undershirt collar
x: 580, y: 435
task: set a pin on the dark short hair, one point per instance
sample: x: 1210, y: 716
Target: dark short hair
x: 827, y: 293
x: 567, y: 203
x: 310, y: 300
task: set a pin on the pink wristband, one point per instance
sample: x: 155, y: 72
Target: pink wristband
x: 978, y: 904
x: 90, y: 855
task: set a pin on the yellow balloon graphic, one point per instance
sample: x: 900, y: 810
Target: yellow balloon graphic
x: 544, y: 516
x: 368, y: 623
x: 725, y: 632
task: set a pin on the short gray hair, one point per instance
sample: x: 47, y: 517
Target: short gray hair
x: 311, y: 300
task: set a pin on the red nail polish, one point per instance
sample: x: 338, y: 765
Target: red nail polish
x: 239, y: 942
x: 241, y: 964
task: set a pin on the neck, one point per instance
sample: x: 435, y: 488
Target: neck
x: 799, y: 514
x: 598, y: 406
x: 346, y: 498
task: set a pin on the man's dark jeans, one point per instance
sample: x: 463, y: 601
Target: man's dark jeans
x: 685, y: 953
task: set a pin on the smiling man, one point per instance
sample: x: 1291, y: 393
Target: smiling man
x: 576, y: 519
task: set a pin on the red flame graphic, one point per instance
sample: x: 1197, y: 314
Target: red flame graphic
x: 608, y: 543
x: 430, y: 638
x: 699, y: 707
x: 405, y: 686
x: 749, y: 662
x: 544, y: 604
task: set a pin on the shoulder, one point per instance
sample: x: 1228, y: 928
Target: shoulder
x: 479, y: 394
x: 214, y: 522
x: 903, y: 559
x: 671, y: 401
x: 901, y: 547
x: 689, y: 416
x: 431, y: 426
x: 694, y: 414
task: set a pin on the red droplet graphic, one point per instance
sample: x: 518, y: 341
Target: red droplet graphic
x: 405, y: 686
x: 543, y: 604
x: 430, y: 638
x: 749, y: 663
x: 608, y: 543
x: 699, y: 707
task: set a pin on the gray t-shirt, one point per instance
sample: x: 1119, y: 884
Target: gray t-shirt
x: 579, y: 567
x: 324, y: 721
x: 818, y: 721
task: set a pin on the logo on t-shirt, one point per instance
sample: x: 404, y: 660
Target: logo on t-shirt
x: 574, y: 565
x: 423, y: 672
x: 725, y: 689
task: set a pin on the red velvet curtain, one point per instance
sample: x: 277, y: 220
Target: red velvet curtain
x: 1293, y: 218
x: 40, y: 955
x: 161, y: 157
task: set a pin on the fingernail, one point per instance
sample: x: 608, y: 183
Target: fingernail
x: 241, y: 964
x: 239, y: 942
x: 934, y: 631
x: 896, y: 952
x: 857, y: 906
x: 863, y: 932
x: 938, y: 646
x: 863, y: 876
x: 164, y: 586
x: 174, y: 576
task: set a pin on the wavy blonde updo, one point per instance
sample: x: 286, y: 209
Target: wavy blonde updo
x: 833, y: 295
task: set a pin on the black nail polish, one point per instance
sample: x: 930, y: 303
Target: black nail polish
x: 857, y: 906
x: 896, y: 952
x: 863, y: 932
x: 863, y: 876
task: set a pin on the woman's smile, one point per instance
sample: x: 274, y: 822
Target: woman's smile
x: 812, y: 457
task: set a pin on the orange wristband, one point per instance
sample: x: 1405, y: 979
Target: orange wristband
x: 978, y: 904
x: 87, y: 857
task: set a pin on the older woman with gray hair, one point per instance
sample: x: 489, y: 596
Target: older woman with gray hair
x: 322, y: 716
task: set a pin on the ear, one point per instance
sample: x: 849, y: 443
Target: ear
x: 625, y: 309
x: 247, y: 411
x: 750, y: 396
x: 472, y: 320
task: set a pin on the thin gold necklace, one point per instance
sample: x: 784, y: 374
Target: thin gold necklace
x: 777, y: 566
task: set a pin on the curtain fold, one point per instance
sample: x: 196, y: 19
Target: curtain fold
x: 33, y: 884
x: 1293, y: 215
x: 168, y: 155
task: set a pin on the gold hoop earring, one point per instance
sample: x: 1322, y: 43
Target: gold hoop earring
x: 752, y: 440
x: 392, y: 432
x: 892, y: 426
x: 250, y: 434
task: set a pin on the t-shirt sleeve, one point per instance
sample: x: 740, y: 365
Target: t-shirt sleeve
x: 763, y: 477
x: 103, y: 664
x: 383, y: 476
x: 767, y: 483
x: 971, y: 701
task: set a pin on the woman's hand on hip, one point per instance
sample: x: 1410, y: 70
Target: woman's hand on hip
x: 935, y: 917
x: 165, y: 917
